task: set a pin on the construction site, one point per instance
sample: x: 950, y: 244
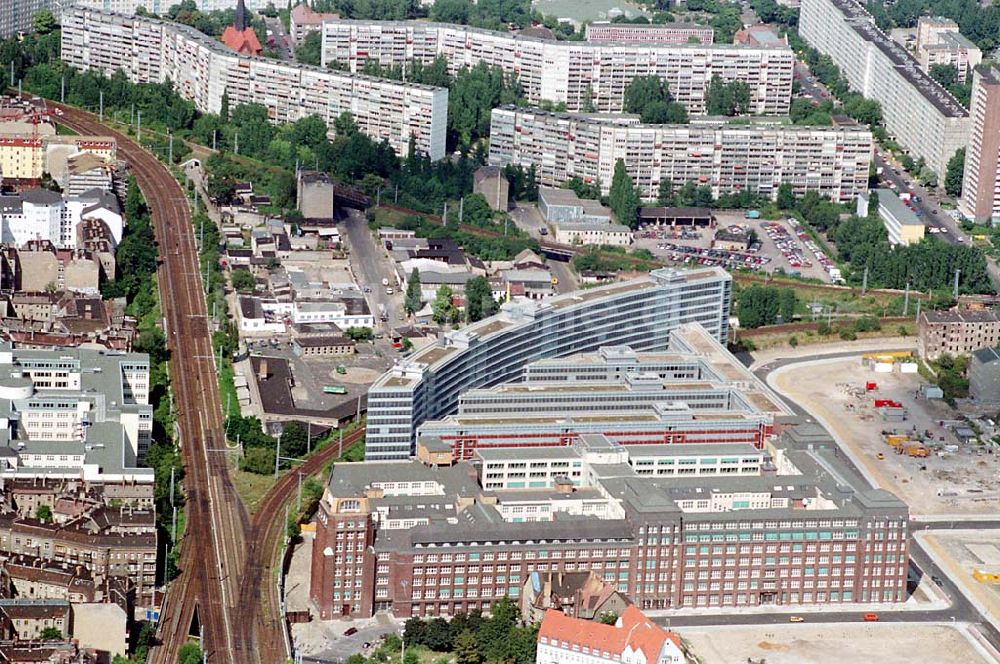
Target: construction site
x: 898, y: 430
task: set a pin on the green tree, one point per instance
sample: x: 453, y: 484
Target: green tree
x: 788, y: 301
x: 465, y: 648
x: 443, y: 309
x: 732, y: 98
x: 650, y: 98
x: 189, y: 654
x: 43, y: 22
x: 43, y: 513
x: 608, y: 618
x: 309, y: 51
x: 224, y: 110
x: 946, y: 75
x: 623, y: 199
x: 259, y: 460
x: 413, y: 301
x: 52, y: 634
x: 954, y: 174
x: 786, y: 196
x: 243, y: 280
x: 294, y: 439
x: 758, y: 305
x: 873, y: 204
x: 479, y: 302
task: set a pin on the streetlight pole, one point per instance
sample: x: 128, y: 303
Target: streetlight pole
x: 277, y: 457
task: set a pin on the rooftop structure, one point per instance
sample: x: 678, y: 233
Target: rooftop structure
x: 74, y: 413
x: 939, y: 42
x: 639, y: 313
x: 419, y: 541
x: 694, y: 394
x: 901, y: 223
x: 203, y: 70
x: 570, y: 72
x: 921, y: 114
x: 728, y: 157
x: 633, y: 638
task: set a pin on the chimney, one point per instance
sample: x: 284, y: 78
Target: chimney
x: 563, y: 485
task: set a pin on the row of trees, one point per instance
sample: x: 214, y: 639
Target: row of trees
x: 927, y: 265
x: 475, y: 639
x: 762, y: 305
x: 650, y: 98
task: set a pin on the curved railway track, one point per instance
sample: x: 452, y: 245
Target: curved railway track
x: 225, y: 555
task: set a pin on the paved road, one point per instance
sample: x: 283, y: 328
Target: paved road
x: 920, y: 562
x: 529, y: 219
x: 370, y: 267
x: 282, y: 41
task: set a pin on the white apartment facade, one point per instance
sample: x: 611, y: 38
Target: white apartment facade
x: 203, y: 70
x: 921, y: 114
x: 160, y: 7
x: 759, y: 157
x: 17, y: 16
x: 565, y: 71
x: 40, y: 214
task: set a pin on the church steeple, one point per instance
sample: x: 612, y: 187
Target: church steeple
x: 242, y: 21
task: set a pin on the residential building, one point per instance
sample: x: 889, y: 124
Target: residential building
x: 160, y: 7
x: 902, y: 225
x: 272, y: 316
x: 41, y: 215
x: 577, y: 594
x: 633, y: 638
x: 939, y: 42
x: 74, y: 413
x: 980, y: 191
x: 759, y: 35
x: 322, y: 346
x: 17, y: 16
x: 758, y: 156
x: 416, y: 540
x: 492, y: 184
x: 657, y: 33
x: 87, y: 171
x: 26, y: 619
x: 578, y: 74
x: 638, y: 313
x: 957, y: 332
x: 315, y: 194
x: 25, y: 157
x: 918, y: 112
x: 984, y: 375
x: 303, y: 21
x: 558, y: 205
x: 203, y: 70
x: 694, y: 394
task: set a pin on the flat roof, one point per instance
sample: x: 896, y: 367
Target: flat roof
x: 862, y: 22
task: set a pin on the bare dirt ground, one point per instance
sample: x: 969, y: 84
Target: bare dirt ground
x: 962, y: 482
x: 832, y: 644
x: 960, y: 553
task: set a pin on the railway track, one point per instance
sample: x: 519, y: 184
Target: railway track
x: 213, y: 553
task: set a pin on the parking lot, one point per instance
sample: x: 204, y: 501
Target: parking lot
x: 955, y: 478
x: 779, y: 245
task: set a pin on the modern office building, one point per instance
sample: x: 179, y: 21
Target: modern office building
x: 17, y: 16
x: 939, y: 42
x: 918, y: 112
x: 74, y: 414
x: 902, y: 225
x: 638, y: 313
x: 957, y: 332
x: 695, y: 393
x: 981, y: 179
x: 203, y: 70
x: 728, y: 157
x: 574, y: 73
x: 656, y: 33
x: 419, y: 540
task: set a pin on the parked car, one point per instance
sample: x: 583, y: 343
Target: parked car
x: 796, y: 619
x: 871, y: 617
x: 350, y: 630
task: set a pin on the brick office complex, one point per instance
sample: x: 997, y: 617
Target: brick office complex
x: 417, y: 540
x: 203, y: 70
x: 757, y: 157
x: 567, y: 71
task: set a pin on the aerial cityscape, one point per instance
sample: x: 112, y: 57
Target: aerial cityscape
x: 499, y: 331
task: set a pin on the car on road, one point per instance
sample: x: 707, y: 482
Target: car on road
x: 871, y: 617
x: 880, y: 456
x: 350, y: 631
x: 543, y: 231
x: 389, y: 291
x: 796, y: 619
x: 936, y: 579
x: 385, y: 282
x: 368, y: 289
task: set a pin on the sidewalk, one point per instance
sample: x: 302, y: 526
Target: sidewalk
x: 977, y: 595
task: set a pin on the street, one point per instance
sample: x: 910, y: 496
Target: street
x: 529, y: 219
x: 370, y: 266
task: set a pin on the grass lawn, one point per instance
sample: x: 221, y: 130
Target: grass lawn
x: 63, y: 130
x: 251, y: 487
x: 780, y: 339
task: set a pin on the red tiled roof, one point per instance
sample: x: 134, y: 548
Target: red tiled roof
x: 244, y: 42
x: 637, y: 632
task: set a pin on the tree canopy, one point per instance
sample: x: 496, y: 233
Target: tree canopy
x: 650, y: 98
